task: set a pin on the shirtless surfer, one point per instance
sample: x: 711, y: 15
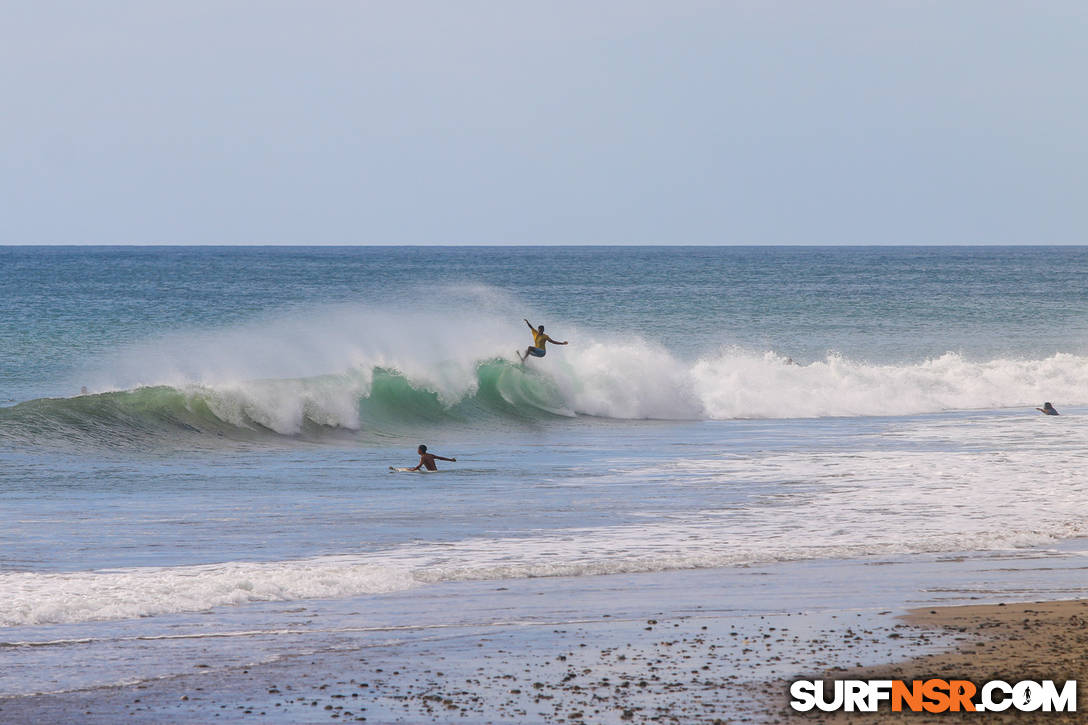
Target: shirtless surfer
x: 426, y: 460
x: 539, y: 341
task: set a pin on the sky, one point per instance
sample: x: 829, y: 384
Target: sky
x: 559, y: 122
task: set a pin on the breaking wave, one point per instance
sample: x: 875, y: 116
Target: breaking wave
x: 379, y: 373
x: 648, y: 386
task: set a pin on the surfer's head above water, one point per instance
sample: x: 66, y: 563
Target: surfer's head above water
x: 540, y: 328
x: 426, y: 460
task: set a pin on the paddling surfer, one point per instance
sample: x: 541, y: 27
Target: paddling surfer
x: 540, y: 339
x: 426, y: 460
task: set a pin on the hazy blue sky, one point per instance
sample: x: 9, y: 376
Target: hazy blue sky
x: 221, y: 121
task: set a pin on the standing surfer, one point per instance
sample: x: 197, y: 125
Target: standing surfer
x: 540, y: 339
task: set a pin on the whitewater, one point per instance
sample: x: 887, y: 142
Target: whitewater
x: 197, y: 442
x: 354, y: 369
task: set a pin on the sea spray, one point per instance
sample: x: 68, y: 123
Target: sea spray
x: 607, y: 381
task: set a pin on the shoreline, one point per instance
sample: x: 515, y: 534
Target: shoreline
x: 670, y: 647
x: 679, y: 669
x: 1039, y: 640
x: 711, y: 667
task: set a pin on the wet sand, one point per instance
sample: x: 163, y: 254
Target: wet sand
x: 664, y: 648
x: 1009, y: 642
x: 709, y: 668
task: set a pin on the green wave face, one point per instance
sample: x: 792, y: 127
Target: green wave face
x: 516, y: 390
x: 310, y: 409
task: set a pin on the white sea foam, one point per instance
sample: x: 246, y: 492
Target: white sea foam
x: 32, y: 598
x: 315, y: 367
x: 1014, y: 491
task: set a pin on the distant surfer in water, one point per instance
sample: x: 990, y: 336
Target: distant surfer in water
x: 539, y: 341
x: 426, y: 460
x: 1047, y: 409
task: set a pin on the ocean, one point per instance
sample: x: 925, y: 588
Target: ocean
x: 196, y: 442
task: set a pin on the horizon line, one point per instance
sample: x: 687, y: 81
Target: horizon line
x: 538, y: 244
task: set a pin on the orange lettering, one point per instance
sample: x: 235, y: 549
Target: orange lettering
x: 936, y: 692
x: 961, y: 693
x: 912, y: 696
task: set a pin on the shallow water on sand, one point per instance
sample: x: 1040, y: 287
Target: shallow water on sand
x: 715, y: 410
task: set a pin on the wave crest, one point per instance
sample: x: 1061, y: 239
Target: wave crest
x: 599, y: 380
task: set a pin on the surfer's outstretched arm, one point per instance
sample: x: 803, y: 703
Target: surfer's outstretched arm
x: 451, y: 460
x: 529, y: 324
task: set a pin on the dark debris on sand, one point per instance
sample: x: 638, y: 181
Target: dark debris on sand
x: 692, y: 669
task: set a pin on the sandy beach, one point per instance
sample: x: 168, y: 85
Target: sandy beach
x: 679, y: 647
x: 554, y: 363
x: 1009, y: 642
x: 676, y: 669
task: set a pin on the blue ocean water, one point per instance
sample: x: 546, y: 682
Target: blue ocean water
x: 716, y: 407
x: 65, y: 305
